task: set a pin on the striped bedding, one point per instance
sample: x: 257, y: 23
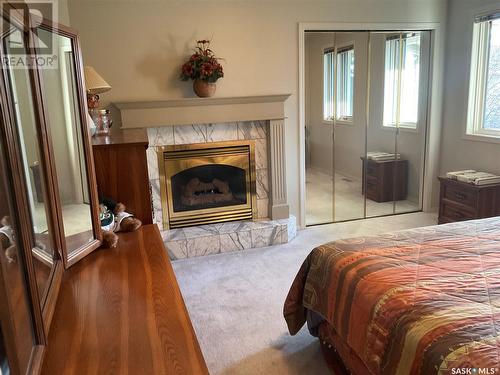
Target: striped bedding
x: 423, y: 301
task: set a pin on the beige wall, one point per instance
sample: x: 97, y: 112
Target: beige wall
x: 63, y: 12
x: 457, y: 152
x: 138, y: 46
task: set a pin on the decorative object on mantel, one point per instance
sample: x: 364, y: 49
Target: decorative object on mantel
x: 96, y: 85
x: 204, y: 69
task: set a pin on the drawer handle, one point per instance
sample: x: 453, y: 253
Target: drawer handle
x: 460, y: 196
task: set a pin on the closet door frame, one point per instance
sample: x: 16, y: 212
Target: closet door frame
x: 433, y: 135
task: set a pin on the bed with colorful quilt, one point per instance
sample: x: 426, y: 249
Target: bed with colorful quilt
x: 421, y: 301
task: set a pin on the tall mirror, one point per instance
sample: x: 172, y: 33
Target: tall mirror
x: 319, y: 70
x: 62, y: 93
x: 15, y: 300
x: 49, y: 205
x: 414, y: 99
x: 31, y: 152
x: 396, y: 133
x: 351, y: 51
x: 383, y: 158
x: 366, y: 97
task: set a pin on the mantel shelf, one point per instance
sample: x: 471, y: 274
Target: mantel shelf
x: 201, y: 111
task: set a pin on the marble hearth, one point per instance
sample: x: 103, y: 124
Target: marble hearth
x: 266, y: 129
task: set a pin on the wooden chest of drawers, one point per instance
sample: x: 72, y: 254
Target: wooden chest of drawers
x: 461, y: 201
x: 121, y: 170
x: 385, y: 180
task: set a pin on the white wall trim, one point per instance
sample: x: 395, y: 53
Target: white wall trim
x: 481, y: 138
x: 434, y: 107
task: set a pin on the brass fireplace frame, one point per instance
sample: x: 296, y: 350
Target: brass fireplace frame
x: 182, y: 157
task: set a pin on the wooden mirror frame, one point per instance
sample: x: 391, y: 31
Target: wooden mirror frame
x: 71, y: 259
x: 42, y: 306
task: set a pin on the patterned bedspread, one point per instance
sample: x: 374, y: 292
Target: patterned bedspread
x: 423, y: 301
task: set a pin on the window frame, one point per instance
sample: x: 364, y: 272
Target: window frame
x: 478, y: 79
x: 344, y: 47
x: 324, y: 51
x: 403, y: 125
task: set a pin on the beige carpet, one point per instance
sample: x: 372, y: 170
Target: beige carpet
x: 235, y: 300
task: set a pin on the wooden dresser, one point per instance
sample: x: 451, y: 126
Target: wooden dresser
x: 120, y: 311
x: 459, y: 201
x: 122, y: 170
x: 385, y: 180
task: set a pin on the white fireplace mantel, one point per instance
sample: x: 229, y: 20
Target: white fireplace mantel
x: 268, y: 108
x: 201, y: 111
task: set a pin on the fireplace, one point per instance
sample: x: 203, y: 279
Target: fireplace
x: 207, y: 183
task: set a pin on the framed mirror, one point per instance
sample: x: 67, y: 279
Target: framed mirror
x: 49, y: 211
x: 63, y: 93
x: 47, y: 143
x: 29, y: 261
x: 26, y: 141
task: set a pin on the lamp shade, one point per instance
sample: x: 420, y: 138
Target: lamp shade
x: 94, y: 82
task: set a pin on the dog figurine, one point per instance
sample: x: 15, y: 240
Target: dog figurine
x: 114, y: 218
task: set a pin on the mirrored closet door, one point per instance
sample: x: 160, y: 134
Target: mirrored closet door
x: 366, y: 97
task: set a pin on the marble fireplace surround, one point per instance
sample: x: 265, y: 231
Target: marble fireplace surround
x: 191, y: 121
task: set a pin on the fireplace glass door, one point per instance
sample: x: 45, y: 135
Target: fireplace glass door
x: 206, y: 184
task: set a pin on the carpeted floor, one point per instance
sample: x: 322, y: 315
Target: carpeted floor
x: 235, y: 300
x: 349, y: 202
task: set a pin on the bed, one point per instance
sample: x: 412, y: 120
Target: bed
x: 421, y: 301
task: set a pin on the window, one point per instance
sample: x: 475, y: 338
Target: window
x: 338, y: 89
x: 328, y: 71
x: 483, y: 116
x: 345, y: 83
x: 401, y: 80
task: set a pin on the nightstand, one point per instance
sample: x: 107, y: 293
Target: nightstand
x: 459, y: 201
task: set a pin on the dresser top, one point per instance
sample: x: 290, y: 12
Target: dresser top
x: 120, y: 311
x: 122, y: 137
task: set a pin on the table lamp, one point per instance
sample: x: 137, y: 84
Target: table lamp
x: 97, y: 85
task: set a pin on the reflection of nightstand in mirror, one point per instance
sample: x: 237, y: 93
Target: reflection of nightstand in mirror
x: 386, y: 180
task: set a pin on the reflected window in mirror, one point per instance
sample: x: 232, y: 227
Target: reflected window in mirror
x: 32, y: 164
x: 345, y: 83
x: 59, y: 89
x: 328, y: 79
x: 401, y: 83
